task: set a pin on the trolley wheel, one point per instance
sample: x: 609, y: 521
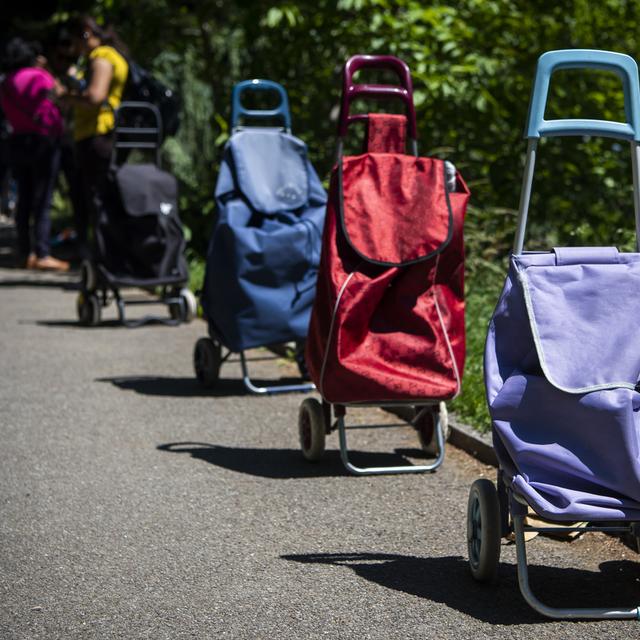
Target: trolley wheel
x: 444, y: 419
x: 311, y: 429
x: 483, y: 530
x: 207, y: 360
x: 300, y: 360
x: 185, y: 310
x: 426, y: 428
x: 88, y: 276
x: 88, y: 307
x: 190, y: 304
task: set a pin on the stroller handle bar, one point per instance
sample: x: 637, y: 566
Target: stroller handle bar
x: 622, y: 65
x: 351, y: 91
x: 238, y: 110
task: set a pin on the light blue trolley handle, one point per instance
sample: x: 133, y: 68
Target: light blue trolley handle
x: 239, y: 111
x: 622, y: 65
x: 626, y: 69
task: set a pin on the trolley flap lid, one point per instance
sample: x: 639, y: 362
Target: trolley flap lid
x: 583, y: 310
x: 145, y: 189
x: 394, y: 208
x: 270, y: 169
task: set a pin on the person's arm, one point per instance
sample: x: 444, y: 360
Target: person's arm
x: 101, y: 74
x: 97, y: 91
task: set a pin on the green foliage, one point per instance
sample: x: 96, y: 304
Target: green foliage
x: 472, y: 63
x: 482, y: 291
x: 196, y: 271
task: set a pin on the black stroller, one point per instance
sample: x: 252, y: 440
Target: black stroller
x: 138, y: 237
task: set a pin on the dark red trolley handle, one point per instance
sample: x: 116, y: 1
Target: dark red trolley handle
x: 351, y: 91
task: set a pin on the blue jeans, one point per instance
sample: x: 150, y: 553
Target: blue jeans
x: 35, y: 160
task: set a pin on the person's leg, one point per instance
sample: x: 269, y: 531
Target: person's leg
x: 83, y: 210
x: 101, y: 151
x: 69, y: 168
x: 93, y: 158
x: 4, y: 174
x: 21, y: 169
x: 44, y: 180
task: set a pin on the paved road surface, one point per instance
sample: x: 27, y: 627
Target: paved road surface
x: 110, y: 528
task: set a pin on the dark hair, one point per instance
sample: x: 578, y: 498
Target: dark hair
x: 19, y: 54
x: 107, y: 34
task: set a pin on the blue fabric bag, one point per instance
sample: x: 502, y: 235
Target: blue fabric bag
x: 263, y: 257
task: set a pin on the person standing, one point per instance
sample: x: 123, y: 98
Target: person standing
x: 95, y: 102
x: 26, y: 97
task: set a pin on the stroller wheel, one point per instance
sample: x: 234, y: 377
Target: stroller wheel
x: 207, y: 360
x: 88, y: 307
x: 311, y: 429
x: 89, y: 280
x: 483, y: 530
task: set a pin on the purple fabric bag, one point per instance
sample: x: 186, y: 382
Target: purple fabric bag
x: 562, y: 362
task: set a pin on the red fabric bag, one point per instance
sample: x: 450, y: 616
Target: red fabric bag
x: 387, y: 324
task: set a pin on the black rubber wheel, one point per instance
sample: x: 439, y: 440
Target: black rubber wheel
x: 483, y: 530
x: 311, y: 429
x: 89, y: 308
x: 88, y: 276
x: 207, y: 360
x: 425, y: 426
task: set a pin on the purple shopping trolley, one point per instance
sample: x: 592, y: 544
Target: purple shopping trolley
x: 562, y: 369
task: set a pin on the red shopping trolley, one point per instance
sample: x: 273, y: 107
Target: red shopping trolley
x: 387, y: 325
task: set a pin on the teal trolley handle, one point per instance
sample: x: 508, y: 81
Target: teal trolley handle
x: 239, y: 111
x: 622, y: 65
x: 537, y: 127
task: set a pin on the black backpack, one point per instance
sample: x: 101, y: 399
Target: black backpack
x: 143, y: 87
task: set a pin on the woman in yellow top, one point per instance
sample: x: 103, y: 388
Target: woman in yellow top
x: 102, y: 86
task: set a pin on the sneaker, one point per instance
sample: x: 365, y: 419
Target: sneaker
x: 49, y: 263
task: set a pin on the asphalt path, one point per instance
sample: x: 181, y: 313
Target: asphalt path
x: 135, y: 505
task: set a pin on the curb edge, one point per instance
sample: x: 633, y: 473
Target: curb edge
x: 476, y: 444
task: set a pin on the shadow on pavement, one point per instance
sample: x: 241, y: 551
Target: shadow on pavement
x: 110, y: 323
x: 74, y: 324
x: 447, y: 580
x: 39, y: 281
x: 278, y: 464
x: 189, y: 387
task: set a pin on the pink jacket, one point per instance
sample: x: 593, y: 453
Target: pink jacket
x: 26, y: 102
